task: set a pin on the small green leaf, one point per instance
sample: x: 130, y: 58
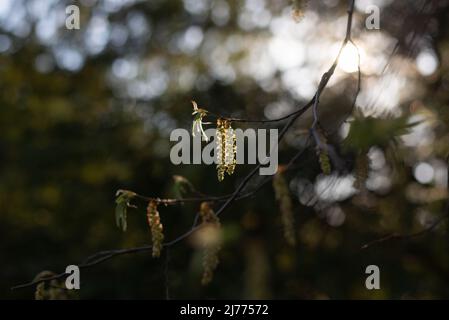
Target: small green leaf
x: 122, y: 201
x: 366, y: 132
x: 181, y: 186
x: 120, y: 215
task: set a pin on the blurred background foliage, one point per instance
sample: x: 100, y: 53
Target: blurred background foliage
x: 86, y: 112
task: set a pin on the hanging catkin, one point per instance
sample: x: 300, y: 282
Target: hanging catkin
x: 361, y: 170
x: 226, y: 148
x: 285, y: 205
x: 212, y: 247
x: 154, y: 221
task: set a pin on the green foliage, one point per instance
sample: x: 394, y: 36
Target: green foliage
x: 122, y: 204
x: 366, y: 132
x: 181, y: 186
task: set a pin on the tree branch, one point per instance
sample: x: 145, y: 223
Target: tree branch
x: 106, y: 255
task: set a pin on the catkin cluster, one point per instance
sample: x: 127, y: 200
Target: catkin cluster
x: 226, y: 148
x: 154, y: 221
x: 211, y: 248
x: 282, y: 193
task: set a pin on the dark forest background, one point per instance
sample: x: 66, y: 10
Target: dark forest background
x: 86, y: 112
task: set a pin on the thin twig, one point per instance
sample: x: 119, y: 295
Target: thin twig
x: 359, y: 76
x: 397, y: 236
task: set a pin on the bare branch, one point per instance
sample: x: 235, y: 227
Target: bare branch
x: 397, y: 236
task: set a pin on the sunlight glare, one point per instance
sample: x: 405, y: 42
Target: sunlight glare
x: 348, y: 61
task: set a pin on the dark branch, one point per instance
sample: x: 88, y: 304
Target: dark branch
x: 397, y: 236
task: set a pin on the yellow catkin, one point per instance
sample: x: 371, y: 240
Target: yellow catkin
x: 226, y: 148
x: 361, y: 170
x: 325, y: 164
x: 156, y: 228
x: 211, y: 248
x: 285, y: 205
